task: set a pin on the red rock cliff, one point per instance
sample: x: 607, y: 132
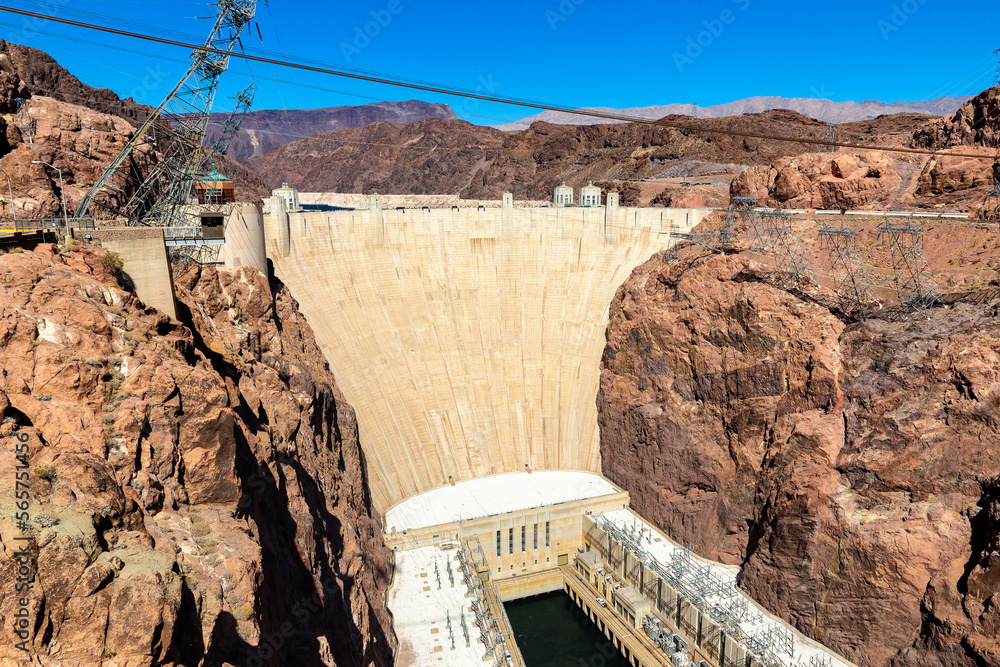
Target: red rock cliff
x: 851, y: 470
x: 198, y: 488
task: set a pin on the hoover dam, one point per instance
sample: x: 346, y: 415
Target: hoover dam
x: 469, y: 342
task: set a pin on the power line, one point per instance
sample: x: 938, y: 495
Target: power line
x: 164, y: 58
x: 458, y: 92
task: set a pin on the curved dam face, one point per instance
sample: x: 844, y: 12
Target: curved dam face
x: 468, y: 340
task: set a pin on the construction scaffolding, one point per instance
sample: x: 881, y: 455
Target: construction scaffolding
x: 912, y: 281
x: 702, y: 587
x: 854, y: 283
x: 175, y: 130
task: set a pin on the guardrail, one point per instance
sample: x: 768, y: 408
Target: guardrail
x: 52, y: 222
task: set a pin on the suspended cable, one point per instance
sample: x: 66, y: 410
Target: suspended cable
x: 458, y: 92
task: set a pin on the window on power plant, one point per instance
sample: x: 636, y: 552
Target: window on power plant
x: 498, y: 543
x: 523, y: 548
x: 510, y: 541
x: 546, y: 533
x: 536, y: 538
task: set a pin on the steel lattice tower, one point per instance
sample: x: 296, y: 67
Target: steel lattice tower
x: 722, y: 239
x: 910, y: 276
x: 205, y: 254
x: 771, y: 234
x: 854, y: 283
x: 24, y: 122
x: 991, y: 204
x: 831, y: 136
x: 176, y: 128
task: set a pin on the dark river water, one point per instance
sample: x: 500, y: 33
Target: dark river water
x: 552, y: 631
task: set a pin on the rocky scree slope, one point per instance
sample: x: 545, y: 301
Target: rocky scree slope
x: 851, y: 470
x: 198, y: 489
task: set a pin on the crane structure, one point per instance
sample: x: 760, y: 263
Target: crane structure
x: 160, y: 194
x: 208, y: 253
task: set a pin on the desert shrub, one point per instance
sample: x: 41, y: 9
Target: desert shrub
x: 112, y: 261
x: 200, y: 528
x: 243, y: 613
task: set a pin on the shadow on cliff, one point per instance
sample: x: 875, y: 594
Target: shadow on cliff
x: 296, y: 603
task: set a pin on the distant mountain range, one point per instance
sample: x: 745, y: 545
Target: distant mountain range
x: 265, y: 130
x: 825, y: 110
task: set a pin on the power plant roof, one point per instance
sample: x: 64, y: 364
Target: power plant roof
x: 496, y: 494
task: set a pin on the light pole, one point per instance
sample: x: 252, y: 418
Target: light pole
x: 11, y: 191
x: 62, y: 190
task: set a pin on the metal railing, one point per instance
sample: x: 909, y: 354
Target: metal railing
x: 52, y: 222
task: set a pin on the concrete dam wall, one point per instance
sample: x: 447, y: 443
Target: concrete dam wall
x: 468, y: 340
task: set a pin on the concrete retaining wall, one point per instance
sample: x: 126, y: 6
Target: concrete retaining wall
x: 146, y: 262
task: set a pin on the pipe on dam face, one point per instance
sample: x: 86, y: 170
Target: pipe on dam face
x: 468, y: 340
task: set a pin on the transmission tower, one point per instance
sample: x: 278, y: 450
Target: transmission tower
x: 990, y: 209
x: 24, y: 122
x: 209, y: 253
x: 721, y: 240
x: 176, y: 129
x: 913, y: 282
x: 854, y: 283
x: 829, y: 137
x: 771, y: 234
x: 234, y: 120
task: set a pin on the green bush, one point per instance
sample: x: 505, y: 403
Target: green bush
x: 243, y: 613
x: 46, y: 472
x: 112, y: 261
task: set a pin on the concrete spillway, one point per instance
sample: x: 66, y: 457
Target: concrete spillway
x: 468, y: 340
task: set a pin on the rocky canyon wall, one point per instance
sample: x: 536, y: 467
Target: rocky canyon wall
x: 850, y: 469
x: 198, y: 491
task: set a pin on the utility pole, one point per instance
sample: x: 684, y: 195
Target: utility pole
x: 11, y: 191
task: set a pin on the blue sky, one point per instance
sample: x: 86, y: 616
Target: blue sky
x: 567, y: 52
